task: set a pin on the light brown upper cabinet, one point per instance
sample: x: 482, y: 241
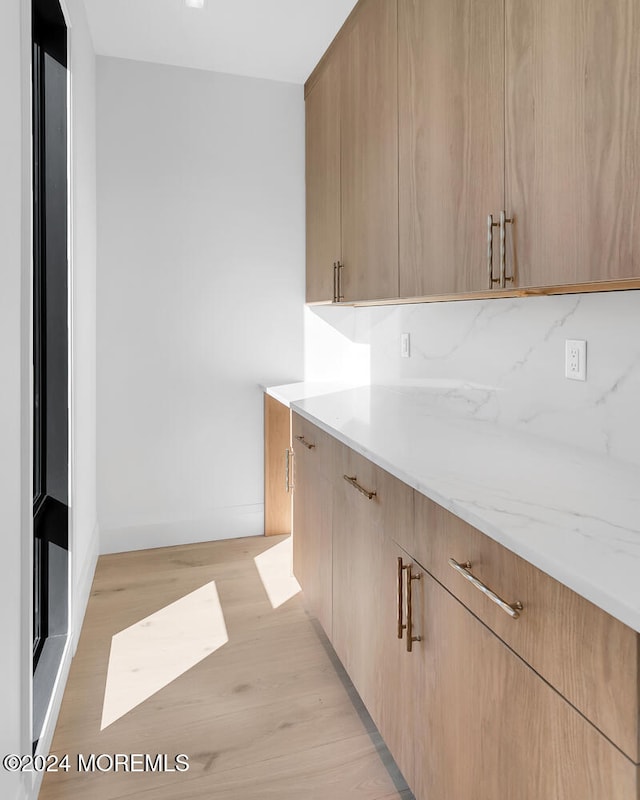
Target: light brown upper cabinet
x: 451, y: 141
x: 484, y: 145
x: 323, y: 182
x: 352, y: 161
x: 369, y: 149
x: 531, y: 108
x: 573, y: 140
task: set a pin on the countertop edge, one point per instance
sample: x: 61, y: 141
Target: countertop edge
x: 628, y: 615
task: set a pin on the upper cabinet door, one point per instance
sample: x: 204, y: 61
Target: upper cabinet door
x: 451, y: 141
x: 323, y: 181
x: 370, y: 154
x: 573, y: 140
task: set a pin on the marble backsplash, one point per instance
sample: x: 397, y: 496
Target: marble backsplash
x: 502, y: 360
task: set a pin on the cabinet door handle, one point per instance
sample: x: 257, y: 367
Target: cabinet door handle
x: 306, y: 444
x: 512, y: 609
x: 410, y: 637
x: 401, y: 625
x: 287, y: 463
x: 335, y: 281
x: 354, y: 482
x: 504, y: 279
x: 490, y: 226
x: 340, y: 266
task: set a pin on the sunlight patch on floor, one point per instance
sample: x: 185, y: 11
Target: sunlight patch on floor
x: 275, y: 567
x: 149, y: 655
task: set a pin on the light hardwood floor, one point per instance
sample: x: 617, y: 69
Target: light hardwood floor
x: 270, y: 714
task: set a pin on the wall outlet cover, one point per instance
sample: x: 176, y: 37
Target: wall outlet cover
x: 405, y: 345
x: 575, y: 360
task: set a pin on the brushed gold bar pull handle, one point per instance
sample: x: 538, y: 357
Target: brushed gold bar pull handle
x: 512, y: 609
x: 340, y: 296
x: 354, y: 482
x: 335, y: 281
x: 490, y: 226
x: 287, y: 462
x: 308, y: 445
x: 401, y: 625
x: 503, y: 250
x: 410, y: 637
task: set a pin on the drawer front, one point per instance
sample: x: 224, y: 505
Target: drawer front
x: 312, y: 444
x: 587, y: 655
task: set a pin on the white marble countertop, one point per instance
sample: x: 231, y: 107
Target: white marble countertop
x: 287, y: 393
x: 572, y: 514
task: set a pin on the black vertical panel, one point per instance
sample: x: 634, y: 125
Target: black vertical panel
x: 55, y: 278
x: 39, y: 377
x: 50, y: 333
x: 50, y: 29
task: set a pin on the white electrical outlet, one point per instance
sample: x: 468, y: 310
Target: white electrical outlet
x: 405, y: 345
x: 575, y: 359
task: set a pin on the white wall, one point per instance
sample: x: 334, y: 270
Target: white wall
x: 15, y: 360
x: 84, y: 522
x: 200, y: 295
x: 336, y: 345
x: 502, y: 360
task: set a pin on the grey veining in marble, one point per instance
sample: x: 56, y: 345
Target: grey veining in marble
x: 573, y: 513
x: 503, y: 361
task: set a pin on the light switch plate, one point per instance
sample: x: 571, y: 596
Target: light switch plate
x: 575, y: 360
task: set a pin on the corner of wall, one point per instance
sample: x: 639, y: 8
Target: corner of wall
x: 230, y: 522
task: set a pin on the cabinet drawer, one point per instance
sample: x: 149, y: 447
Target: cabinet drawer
x: 313, y: 444
x: 587, y: 655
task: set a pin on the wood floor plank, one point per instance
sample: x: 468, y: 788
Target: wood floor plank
x: 268, y: 714
x: 349, y: 769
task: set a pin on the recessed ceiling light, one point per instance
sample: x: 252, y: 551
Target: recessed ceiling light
x: 194, y: 3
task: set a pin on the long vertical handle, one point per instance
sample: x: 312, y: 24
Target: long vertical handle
x: 335, y: 281
x: 287, y: 468
x: 503, y: 250
x: 490, y: 226
x: 401, y: 625
x: 340, y: 266
x: 410, y: 637
x: 292, y: 470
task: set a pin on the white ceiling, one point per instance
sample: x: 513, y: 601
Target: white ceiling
x: 277, y: 39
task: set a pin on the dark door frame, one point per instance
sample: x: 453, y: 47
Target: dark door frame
x: 51, y: 348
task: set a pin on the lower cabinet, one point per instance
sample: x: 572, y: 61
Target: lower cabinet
x: 488, y: 727
x: 462, y: 712
x: 277, y: 495
x: 312, y: 518
x: 400, y: 668
x: 368, y: 503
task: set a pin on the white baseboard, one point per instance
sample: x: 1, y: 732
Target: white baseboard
x: 82, y: 589
x: 233, y: 522
x: 48, y: 729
